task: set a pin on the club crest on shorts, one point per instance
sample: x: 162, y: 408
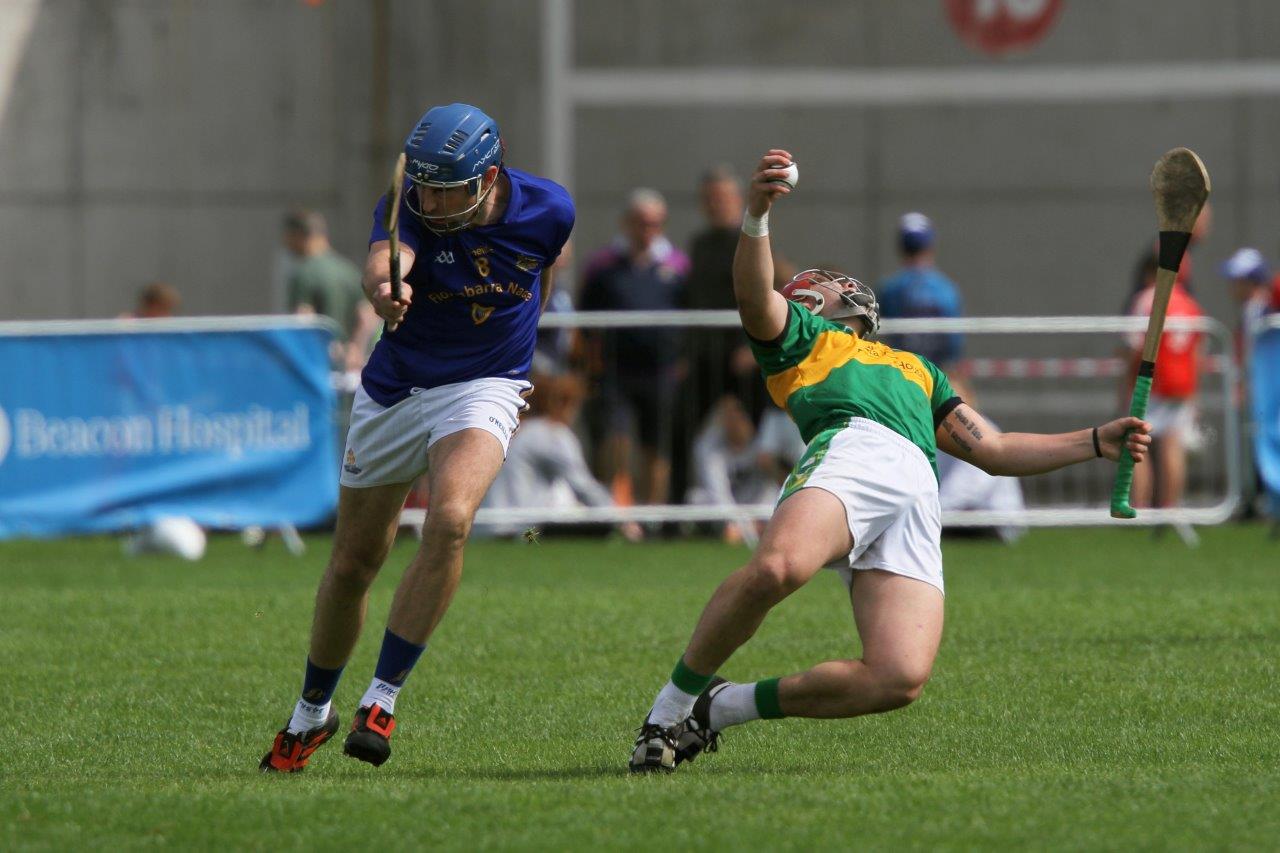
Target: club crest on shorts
x: 480, y: 313
x: 350, y: 465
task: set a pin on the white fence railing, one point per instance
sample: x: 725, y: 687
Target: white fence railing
x: 1065, y: 385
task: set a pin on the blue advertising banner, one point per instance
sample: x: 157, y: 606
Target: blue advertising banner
x: 1265, y: 393
x: 114, y: 427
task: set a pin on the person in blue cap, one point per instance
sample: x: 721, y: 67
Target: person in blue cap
x: 441, y: 395
x: 1251, y: 281
x: 920, y: 289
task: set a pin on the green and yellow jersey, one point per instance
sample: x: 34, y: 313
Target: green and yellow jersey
x: 823, y: 375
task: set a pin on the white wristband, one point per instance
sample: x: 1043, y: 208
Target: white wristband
x: 755, y: 226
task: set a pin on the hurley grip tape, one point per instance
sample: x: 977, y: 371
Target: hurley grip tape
x: 1124, y: 472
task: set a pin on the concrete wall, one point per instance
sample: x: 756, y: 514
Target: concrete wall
x: 142, y: 139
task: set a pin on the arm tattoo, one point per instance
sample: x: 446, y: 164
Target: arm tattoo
x: 969, y: 424
x: 955, y: 436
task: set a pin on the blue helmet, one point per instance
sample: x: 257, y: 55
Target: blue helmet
x: 452, y: 146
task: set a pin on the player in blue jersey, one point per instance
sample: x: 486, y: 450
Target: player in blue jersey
x: 920, y: 289
x: 441, y: 394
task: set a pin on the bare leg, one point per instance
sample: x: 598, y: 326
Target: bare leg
x: 461, y: 467
x: 1172, y: 463
x: 615, y: 458
x: 900, y: 624
x: 657, y: 477
x: 367, y: 521
x: 808, y: 530
x: 1142, y: 491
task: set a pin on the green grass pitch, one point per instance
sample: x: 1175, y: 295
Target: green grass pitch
x: 1096, y: 689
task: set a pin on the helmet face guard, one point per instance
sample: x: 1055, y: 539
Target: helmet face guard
x: 835, y: 296
x: 448, y: 223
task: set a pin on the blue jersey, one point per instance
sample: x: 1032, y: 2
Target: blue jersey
x: 922, y: 292
x: 476, y: 293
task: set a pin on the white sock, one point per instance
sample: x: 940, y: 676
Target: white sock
x: 382, y: 694
x: 734, y: 705
x: 307, y: 716
x: 671, y: 706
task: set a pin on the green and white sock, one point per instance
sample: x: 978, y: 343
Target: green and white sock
x: 675, y: 701
x: 742, y: 703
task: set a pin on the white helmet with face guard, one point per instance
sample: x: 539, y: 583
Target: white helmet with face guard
x: 835, y: 296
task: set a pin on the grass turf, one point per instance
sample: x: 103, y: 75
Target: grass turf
x: 1096, y: 689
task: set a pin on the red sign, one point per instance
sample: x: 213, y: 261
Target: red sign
x: 1002, y: 26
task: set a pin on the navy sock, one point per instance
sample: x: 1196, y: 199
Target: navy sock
x: 319, y: 683
x: 397, y: 658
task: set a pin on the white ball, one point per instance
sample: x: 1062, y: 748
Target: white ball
x: 177, y: 535
x: 791, y: 178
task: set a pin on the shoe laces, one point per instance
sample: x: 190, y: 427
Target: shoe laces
x: 709, y: 736
x: 652, y: 730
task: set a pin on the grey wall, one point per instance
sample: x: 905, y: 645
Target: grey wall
x: 157, y: 139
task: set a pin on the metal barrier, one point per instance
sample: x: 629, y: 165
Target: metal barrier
x: 1023, y: 380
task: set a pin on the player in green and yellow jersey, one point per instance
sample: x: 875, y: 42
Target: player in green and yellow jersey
x: 862, y: 500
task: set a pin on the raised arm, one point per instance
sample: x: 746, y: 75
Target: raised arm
x: 967, y: 435
x: 762, y: 309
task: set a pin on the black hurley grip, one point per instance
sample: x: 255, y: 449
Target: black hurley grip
x: 1173, y: 245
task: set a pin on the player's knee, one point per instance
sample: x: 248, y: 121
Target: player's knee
x: 449, y: 523
x: 356, y: 559
x: 353, y: 570
x: 901, y: 685
x: 772, y: 576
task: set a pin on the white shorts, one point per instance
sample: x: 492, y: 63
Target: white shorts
x: 389, y: 445
x: 1168, y: 415
x: 890, y: 498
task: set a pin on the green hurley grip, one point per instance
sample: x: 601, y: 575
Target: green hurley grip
x: 1124, y: 472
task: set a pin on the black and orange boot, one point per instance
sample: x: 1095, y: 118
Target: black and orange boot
x: 370, y: 737
x: 291, y: 752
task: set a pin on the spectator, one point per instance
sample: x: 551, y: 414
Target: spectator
x: 728, y: 469
x: 324, y: 282
x: 721, y: 362
x: 639, y: 369
x: 711, y: 250
x: 778, y: 444
x: 157, y: 299
x: 1171, y: 409
x: 1204, y: 223
x: 1251, y: 287
x: 920, y: 289
x: 545, y: 465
